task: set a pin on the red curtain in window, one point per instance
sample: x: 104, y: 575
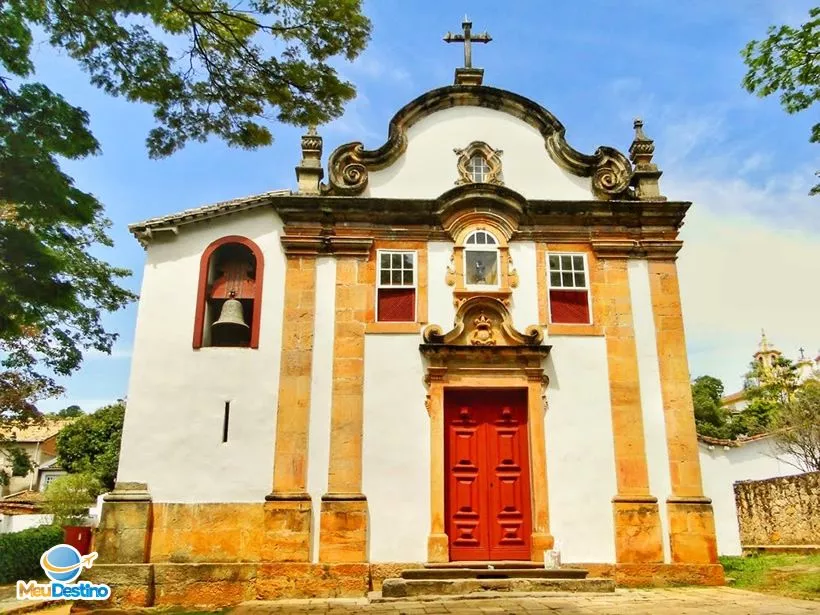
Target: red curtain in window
x: 569, y: 306
x: 397, y: 305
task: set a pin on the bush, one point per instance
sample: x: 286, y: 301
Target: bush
x: 20, y: 552
x: 69, y: 497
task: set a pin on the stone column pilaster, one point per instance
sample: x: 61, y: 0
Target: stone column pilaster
x: 638, y: 532
x: 541, y: 539
x: 344, y: 515
x: 691, y: 519
x: 438, y: 543
x: 124, y: 533
x: 288, y: 508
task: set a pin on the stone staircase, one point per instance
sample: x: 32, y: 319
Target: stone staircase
x: 472, y: 579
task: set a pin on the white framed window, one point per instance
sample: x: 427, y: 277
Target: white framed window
x: 568, y: 283
x: 396, y: 283
x: 479, y: 168
x: 481, y: 259
x: 48, y: 479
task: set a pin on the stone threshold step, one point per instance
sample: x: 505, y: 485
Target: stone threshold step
x: 487, y: 564
x: 414, y: 588
x: 496, y: 573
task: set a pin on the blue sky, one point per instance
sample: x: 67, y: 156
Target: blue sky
x: 752, y: 256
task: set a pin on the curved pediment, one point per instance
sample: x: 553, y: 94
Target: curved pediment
x: 483, y: 321
x: 350, y: 165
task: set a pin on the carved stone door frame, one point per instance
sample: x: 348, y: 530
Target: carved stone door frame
x: 483, y: 351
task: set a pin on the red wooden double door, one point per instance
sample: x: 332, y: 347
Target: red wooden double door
x: 487, y: 493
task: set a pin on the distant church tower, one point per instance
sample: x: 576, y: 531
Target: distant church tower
x: 766, y: 352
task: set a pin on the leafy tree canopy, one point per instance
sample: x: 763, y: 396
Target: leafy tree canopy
x: 710, y: 417
x: 787, y: 62
x: 207, y: 68
x: 69, y: 497
x: 91, y: 444
x: 70, y: 412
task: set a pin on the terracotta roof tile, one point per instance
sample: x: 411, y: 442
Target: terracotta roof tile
x: 36, y: 432
x: 732, y: 443
x: 23, y: 497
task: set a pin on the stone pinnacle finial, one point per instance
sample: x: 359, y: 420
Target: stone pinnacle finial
x: 642, y: 148
x: 646, y: 174
x: 309, y: 172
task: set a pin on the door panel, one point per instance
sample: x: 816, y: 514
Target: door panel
x: 509, y: 504
x: 467, y: 486
x: 487, y: 502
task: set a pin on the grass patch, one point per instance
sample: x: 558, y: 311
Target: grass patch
x: 796, y: 576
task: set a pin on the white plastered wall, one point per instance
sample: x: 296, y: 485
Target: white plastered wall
x: 580, y: 450
x: 723, y: 467
x: 428, y: 166
x: 525, y: 296
x: 654, y: 424
x: 440, y: 310
x: 172, y: 437
x: 396, y: 449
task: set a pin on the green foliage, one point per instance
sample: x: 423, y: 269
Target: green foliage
x: 797, y: 427
x: 710, y: 417
x: 20, y: 552
x: 69, y: 497
x: 787, y: 575
x: 19, y: 463
x: 91, y: 444
x: 788, y: 62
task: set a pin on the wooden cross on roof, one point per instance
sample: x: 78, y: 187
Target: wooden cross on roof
x: 467, y: 38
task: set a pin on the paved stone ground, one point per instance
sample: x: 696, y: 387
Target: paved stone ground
x: 679, y: 601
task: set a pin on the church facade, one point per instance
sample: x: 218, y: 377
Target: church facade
x: 465, y: 345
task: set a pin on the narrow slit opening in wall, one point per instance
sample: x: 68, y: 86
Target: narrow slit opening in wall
x: 225, y: 421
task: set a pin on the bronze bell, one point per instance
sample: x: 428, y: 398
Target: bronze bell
x: 231, y: 318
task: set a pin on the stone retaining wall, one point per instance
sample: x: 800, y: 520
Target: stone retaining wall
x: 779, y: 511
